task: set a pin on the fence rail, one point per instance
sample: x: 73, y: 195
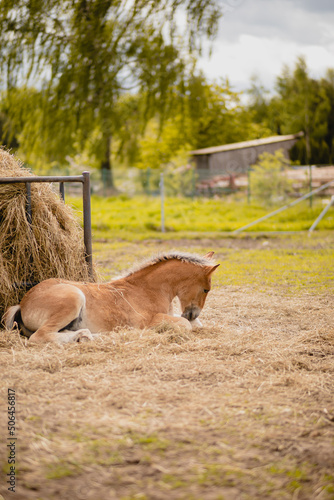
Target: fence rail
x: 84, y: 179
x: 190, y: 182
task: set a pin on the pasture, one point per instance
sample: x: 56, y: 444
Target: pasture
x: 139, y: 218
x: 241, y: 408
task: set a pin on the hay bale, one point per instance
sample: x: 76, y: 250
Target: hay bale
x: 51, y: 247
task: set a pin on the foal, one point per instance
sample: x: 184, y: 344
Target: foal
x: 57, y: 310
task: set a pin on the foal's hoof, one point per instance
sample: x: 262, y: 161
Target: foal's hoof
x: 84, y: 335
x: 196, y: 323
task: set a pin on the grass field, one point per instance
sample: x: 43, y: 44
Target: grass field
x: 241, y: 408
x: 287, y: 262
x: 140, y: 218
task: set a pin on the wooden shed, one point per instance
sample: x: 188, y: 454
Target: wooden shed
x: 236, y: 158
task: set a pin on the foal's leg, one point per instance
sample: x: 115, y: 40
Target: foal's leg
x: 195, y: 323
x: 43, y: 335
x: 172, y: 320
x: 50, y: 312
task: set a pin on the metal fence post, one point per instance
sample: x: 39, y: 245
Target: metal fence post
x: 310, y: 184
x: 84, y: 179
x: 62, y: 190
x: 248, y: 186
x: 87, y: 221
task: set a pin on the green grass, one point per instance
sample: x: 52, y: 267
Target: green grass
x: 61, y: 469
x: 209, y: 470
x: 139, y: 218
x: 292, y: 262
x: 293, y: 269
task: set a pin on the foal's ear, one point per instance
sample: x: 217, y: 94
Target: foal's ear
x: 209, y: 255
x: 211, y: 269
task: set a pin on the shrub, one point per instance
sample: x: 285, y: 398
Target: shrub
x: 269, y: 183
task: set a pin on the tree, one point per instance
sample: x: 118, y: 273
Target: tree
x: 6, y: 131
x: 81, y: 55
x: 327, y: 86
x: 300, y: 103
x: 23, y: 109
x: 214, y: 114
x: 306, y: 104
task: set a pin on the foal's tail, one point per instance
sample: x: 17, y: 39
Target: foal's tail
x: 12, y: 316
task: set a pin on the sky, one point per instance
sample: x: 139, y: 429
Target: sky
x: 257, y: 37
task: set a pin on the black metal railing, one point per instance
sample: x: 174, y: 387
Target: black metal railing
x: 84, y: 179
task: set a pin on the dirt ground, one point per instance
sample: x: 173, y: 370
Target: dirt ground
x: 241, y: 408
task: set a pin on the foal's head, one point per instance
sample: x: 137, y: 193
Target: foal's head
x: 195, y: 291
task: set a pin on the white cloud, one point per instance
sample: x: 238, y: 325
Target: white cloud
x: 286, y: 19
x: 259, y: 37
x: 264, y: 57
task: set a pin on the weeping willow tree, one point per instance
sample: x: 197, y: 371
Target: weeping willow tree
x: 79, y: 56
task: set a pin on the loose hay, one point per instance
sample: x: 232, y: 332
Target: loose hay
x: 51, y: 247
x: 240, y: 409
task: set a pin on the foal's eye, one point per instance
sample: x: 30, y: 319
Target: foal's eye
x: 206, y: 291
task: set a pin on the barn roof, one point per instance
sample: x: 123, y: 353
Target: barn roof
x: 247, y: 144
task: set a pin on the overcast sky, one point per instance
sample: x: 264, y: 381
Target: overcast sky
x: 260, y: 36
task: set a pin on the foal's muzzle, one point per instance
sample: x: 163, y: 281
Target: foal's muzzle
x: 191, y: 313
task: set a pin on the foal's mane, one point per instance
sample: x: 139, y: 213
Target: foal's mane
x: 164, y: 257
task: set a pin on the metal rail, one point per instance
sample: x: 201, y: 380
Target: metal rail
x: 322, y: 215
x: 84, y: 179
x: 279, y: 210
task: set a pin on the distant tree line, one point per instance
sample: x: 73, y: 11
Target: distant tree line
x: 300, y: 103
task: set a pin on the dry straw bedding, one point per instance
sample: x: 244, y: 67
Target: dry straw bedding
x: 240, y: 409
x: 51, y: 247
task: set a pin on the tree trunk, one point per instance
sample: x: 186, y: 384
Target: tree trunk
x: 106, y: 165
